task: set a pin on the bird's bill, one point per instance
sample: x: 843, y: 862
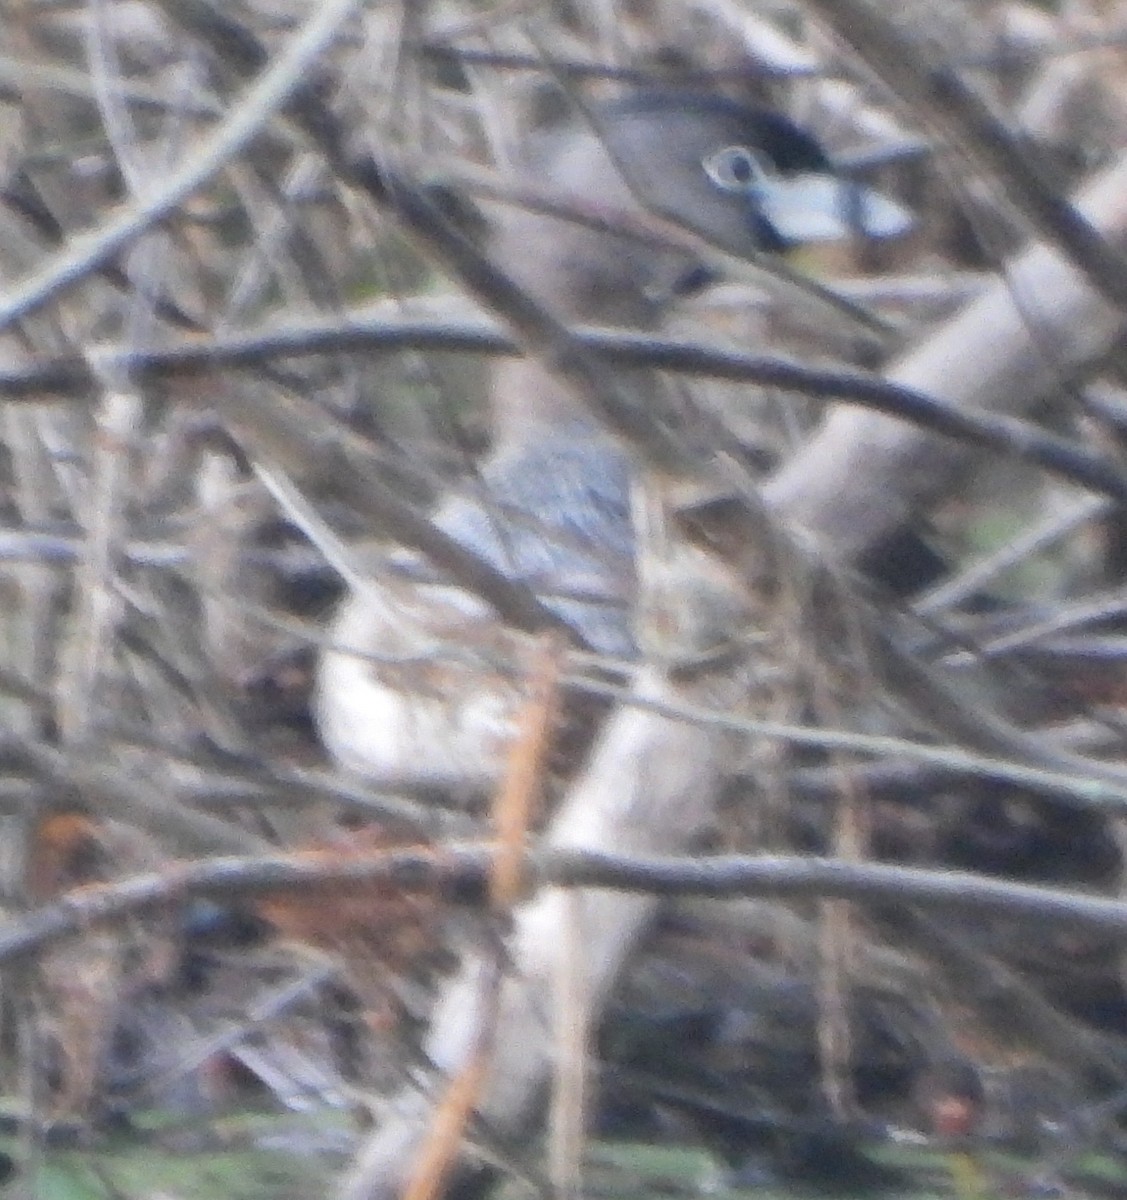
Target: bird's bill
x: 822, y: 208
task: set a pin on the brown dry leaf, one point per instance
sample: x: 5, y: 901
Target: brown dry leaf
x: 64, y: 853
x: 377, y: 930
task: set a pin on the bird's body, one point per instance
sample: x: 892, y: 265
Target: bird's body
x: 550, y: 506
x: 437, y: 710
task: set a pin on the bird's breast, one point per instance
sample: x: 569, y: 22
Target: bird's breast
x: 418, y: 689
x: 423, y: 684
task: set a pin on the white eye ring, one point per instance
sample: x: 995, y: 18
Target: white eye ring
x: 735, y: 169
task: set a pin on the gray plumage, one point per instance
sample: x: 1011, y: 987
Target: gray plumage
x: 554, y: 514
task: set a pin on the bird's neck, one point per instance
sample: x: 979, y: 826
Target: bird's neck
x: 530, y: 403
x: 589, y: 289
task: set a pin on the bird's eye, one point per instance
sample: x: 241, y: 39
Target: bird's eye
x: 735, y: 169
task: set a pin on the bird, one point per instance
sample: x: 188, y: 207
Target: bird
x: 412, y: 690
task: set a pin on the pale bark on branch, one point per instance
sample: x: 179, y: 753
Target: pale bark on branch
x: 1035, y: 330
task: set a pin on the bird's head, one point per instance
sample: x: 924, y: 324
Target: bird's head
x: 744, y: 178
x: 749, y: 181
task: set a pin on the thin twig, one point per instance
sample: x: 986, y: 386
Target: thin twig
x: 460, y: 872
x: 1016, y: 438
x: 262, y: 101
